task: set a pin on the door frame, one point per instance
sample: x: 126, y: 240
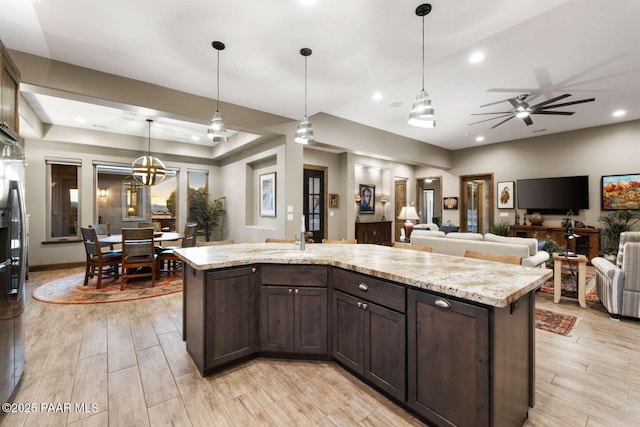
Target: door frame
x: 419, y: 194
x: 325, y: 197
x: 462, y: 212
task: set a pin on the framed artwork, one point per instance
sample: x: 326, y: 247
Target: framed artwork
x: 268, y: 194
x: 367, y: 199
x: 506, y: 195
x: 334, y: 200
x: 450, y: 203
x: 620, y: 191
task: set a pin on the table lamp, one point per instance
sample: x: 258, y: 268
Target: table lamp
x: 383, y: 199
x: 568, y: 235
x: 357, y: 199
x: 408, y: 213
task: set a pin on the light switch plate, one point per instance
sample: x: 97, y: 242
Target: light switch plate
x: 504, y: 214
x: 290, y: 217
x: 289, y: 209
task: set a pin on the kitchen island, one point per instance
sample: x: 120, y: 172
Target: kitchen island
x: 451, y: 339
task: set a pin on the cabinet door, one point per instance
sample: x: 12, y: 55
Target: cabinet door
x: 231, y: 315
x: 384, y: 349
x: 348, y: 331
x: 448, y: 360
x: 310, y: 320
x: 276, y: 318
x: 9, y: 99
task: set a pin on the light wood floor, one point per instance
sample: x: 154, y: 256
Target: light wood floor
x: 130, y: 360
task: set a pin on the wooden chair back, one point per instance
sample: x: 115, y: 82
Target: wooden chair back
x: 155, y: 225
x: 217, y: 243
x: 97, y: 260
x: 508, y: 259
x: 413, y: 247
x: 350, y: 241
x: 91, y: 245
x: 189, y: 239
x: 270, y: 240
x: 137, y: 251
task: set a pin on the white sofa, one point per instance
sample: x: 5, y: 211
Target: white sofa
x: 457, y: 243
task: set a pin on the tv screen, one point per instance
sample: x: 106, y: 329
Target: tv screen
x: 557, y: 194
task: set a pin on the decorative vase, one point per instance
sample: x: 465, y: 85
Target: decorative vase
x: 536, y: 219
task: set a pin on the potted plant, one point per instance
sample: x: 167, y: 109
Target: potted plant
x: 207, y: 213
x: 613, y: 224
x: 551, y: 247
x: 501, y: 228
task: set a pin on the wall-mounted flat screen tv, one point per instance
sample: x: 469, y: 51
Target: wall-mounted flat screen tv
x: 553, y: 195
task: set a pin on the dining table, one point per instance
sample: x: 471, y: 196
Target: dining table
x: 165, y: 236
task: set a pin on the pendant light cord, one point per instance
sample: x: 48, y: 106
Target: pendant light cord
x: 305, y: 86
x: 423, y: 52
x: 218, y: 79
x: 149, y: 133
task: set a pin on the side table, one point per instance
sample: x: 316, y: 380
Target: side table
x: 581, y: 260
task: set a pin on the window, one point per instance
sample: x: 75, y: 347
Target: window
x: 197, y: 181
x: 63, y: 199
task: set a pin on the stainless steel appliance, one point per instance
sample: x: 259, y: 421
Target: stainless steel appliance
x: 13, y: 257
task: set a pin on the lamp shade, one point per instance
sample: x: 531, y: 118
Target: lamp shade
x: 422, y: 113
x: 217, y: 131
x: 408, y: 213
x: 148, y: 170
x: 304, y: 133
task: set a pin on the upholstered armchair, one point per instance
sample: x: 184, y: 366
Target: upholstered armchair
x: 618, y: 285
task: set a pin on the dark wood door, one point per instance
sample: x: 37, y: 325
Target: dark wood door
x: 448, y: 349
x: 276, y: 318
x: 348, y: 331
x: 230, y: 315
x: 310, y: 319
x: 314, y: 202
x: 384, y: 349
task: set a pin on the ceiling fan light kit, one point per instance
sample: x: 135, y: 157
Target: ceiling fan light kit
x: 422, y: 113
x: 217, y: 131
x: 148, y: 170
x: 304, y: 132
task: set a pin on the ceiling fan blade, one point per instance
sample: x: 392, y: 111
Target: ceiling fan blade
x: 505, y: 120
x: 492, y: 118
x: 558, y: 113
x: 527, y: 120
x: 497, y: 112
x: 549, y: 101
x: 516, y: 102
x: 564, y: 104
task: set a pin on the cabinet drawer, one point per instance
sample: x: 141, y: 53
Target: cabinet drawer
x: 294, y: 275
x: 369, y: 288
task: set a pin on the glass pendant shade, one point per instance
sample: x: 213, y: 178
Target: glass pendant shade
x: 217, y: 131
x: 148, y: 170
x: 304, y: 133
x: 422, y: 113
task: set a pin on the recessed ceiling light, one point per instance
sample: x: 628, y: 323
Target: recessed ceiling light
x: 376, y: 96
x: 476, y: 57
x: 80, y: 120
x: 195, y: 138
x: 619, y: 113
x: 479, y: 138
x: 396, y: 104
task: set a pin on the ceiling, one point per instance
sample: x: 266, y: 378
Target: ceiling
x: 587, y: 48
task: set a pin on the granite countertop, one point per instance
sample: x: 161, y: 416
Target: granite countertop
x: 491, y: 283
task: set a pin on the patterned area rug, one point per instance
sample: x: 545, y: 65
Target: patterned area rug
x: 70, y: 290
x: 555, y: 322
x: 569, y: 286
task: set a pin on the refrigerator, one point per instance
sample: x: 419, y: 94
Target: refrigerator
x: 13, y: 257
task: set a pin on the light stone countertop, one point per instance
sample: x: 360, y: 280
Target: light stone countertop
x: 490, y: 283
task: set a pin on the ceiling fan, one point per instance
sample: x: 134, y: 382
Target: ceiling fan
x: 522, y: 109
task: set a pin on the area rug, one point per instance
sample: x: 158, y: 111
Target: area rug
x: 555, y: 322
x: 569, y: 286
x: 70, y: 290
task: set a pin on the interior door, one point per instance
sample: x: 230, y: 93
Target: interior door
x: 400, y: 201
x: 314, y: 201
x: 476, y: 213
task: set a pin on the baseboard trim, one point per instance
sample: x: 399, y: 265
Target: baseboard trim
x: 48, y: 267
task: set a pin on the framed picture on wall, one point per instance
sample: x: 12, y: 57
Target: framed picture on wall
x: 620, y: 191
x: 367, y: 199
x: 450, y: 203
x: 506, y: 195
x: 334, y: 200
x: 267, y: 200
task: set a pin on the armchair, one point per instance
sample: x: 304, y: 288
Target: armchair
x: 618, y: 285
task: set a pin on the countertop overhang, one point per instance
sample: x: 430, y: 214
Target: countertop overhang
x: 485, y: 282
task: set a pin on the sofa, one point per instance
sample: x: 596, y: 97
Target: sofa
x: 457, y: 243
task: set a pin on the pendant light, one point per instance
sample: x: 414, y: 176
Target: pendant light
x: 148, y: 170
x: 217, y: 131
x: 304, y: 133
x: 422, y: 113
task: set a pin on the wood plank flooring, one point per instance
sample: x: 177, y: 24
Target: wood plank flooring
x: 128, y: 360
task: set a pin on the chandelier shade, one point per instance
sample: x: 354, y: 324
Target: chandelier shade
x: 148, y: 170
x: 217, y: 131
x: 422, y: 113
x: 304, y: 132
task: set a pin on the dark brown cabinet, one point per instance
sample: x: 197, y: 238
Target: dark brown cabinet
x: 293, y: 309
x: 10, y: 77
x: 376, y: 233
x: 587, y: 244
x: 367, y: 337
x: 220, y: 325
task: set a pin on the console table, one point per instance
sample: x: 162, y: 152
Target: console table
x: 587, y: 244
x: 376, y: 233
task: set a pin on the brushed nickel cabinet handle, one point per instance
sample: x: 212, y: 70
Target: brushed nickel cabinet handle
x: 363, y: 287
x: 442, y: 303
x: 297, y: 291
x: 359, y: 304
x: 289, y: 290
x: 253, y: 270
x: 364, y: 306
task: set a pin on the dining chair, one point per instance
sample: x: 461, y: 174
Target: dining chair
x: 270, y: 240
x: 138, y: 256
x: 99, y: 263
x: 216, y: 243
x: 168, y: 255
x: 155, y: 225
x: 103, y: 230
x: 509, y: 259
x: 413, y: 247
x: 350, y: 241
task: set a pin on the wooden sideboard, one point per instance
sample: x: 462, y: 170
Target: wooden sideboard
x: 377, y: 233
x: 587, y: 244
